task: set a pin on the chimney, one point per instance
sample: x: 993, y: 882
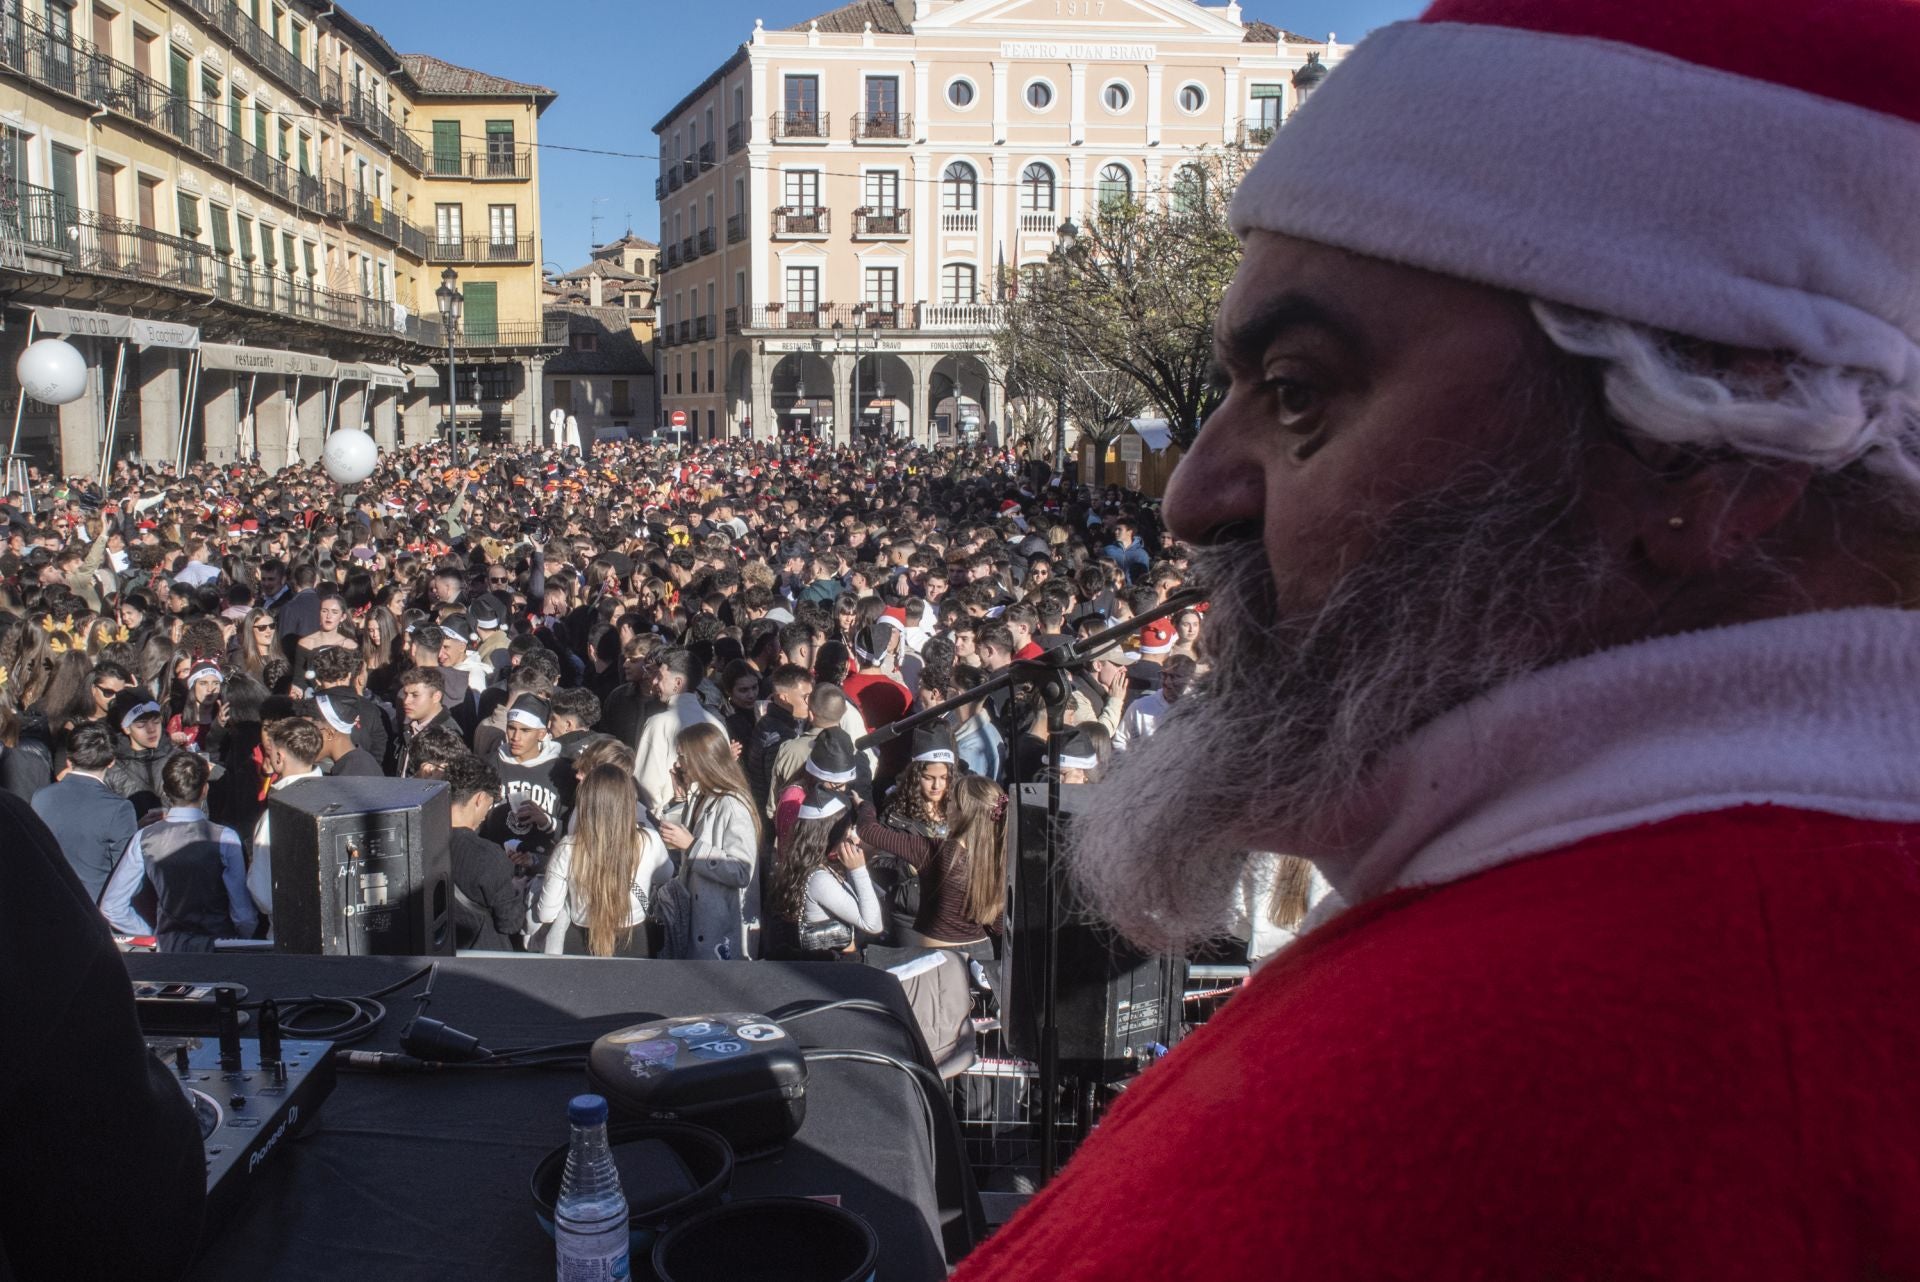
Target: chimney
x: 595, y: 283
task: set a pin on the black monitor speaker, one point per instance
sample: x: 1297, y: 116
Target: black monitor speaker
x: 360, y: 867
x: 1113, y: 1002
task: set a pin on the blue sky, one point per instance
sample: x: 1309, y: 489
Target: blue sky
x: 618, y: 65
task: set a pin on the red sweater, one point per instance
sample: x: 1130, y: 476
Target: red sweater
x: 1683, y: 1051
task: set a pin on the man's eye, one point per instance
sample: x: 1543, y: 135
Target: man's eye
x: 1293, y: 400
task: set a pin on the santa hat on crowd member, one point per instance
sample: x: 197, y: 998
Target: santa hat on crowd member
x: 832, y: 757
x: 1157, y: 638
x: 1741, y: 174
x: 933, y: 744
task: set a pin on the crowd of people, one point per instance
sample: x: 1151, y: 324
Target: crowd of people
x: 644, y: 677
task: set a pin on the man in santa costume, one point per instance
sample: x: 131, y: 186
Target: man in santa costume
x: 1560, y: 522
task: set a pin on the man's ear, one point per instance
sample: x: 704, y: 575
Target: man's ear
x: 1711, y: 516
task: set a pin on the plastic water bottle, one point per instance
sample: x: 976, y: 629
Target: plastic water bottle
x: 590, y: 1219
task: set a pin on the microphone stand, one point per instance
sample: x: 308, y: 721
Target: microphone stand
x: 1048, y: 674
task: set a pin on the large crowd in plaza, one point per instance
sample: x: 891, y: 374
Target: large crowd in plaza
x: 644, y: 676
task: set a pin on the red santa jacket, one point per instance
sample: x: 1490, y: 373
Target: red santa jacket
x: 1687, y: 1050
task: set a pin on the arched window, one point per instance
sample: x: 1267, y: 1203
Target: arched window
x: 1189, y: 189
x: 959, y: 284
x: 959, y: 187
x: 1036, y: 189
x: 1116, y: 186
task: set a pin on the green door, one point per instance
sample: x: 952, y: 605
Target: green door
x: 66, y: 182
x: 481, y: 317
x: 446, y: 147
x: 179, y: 78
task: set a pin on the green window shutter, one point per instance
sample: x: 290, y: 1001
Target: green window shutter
x: 260, y: 131
x: 177, y: 74
x: 266, y: 248
x: 311, y: 269
x: 481, y: 318
x: 222, y: 232
x: 245, y: 227
x: 189, y: 217
x: 446, y: 147
x: 237, y: 115
x: 303, y: 156
x: 1266, y: 91
x: 286, y: 243
x: 66, y: 179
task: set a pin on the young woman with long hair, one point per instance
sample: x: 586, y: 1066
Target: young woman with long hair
x: 603, y: 873
x: 717, y: 831
x: 257, y: 642
x: 822, y: 893
x: 963, y: 876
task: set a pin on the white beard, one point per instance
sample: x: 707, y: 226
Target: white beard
x: 1464, y: 588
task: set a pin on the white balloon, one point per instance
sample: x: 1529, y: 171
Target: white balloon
x: 52, y: 371
x: 350, y: 456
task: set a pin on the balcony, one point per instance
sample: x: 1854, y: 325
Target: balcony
x: 674, y: 180
x: 551, y: 332
x: 736, y: 229
x: 736, y: 137
x: 702, y: 328
x: 660, y: 188
x: 265, y: 52
x: 672, y: 256
x: 363, y: 113
x: 336, y: 205
x: 706, y: 241
x: 1255, y: 134
x: 799, y: 126
x: 664, y: 338
x: 964, y: 316
x: 706, y: 155
x: 683, y: 332
x: 891, y: 224
x: 686, y: 250
x: 332, y: 96
x: 733, y: 320
x: 499, y: 165
x: 375, y: 216
x: 960, y: 220
x: 413, y: 240
x: 689, y: 170
x: 800, y: 222
x: 877, y: 316
x: 32, y: 216
x: 933, y: 317
x: 481, y: 249
x: 883, y: 126
x: 1039, y: 220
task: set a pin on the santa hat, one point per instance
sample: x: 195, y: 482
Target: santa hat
x: 1157, y: 637
x: 1742, y: 174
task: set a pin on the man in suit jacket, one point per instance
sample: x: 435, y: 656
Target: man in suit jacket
x: 92, y: 822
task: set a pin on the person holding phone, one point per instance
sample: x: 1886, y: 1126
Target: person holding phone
x: 713, y: 826
x: 823, y: 897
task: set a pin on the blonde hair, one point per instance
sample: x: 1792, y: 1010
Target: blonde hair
x: 977, y: 811
x: 708, y: 760
x: 606, y: 854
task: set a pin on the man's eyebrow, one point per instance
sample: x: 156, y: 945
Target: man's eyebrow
x: 1246, y: 340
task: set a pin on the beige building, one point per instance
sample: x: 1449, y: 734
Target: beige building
x: 839, y: 200
x: 230, y: 208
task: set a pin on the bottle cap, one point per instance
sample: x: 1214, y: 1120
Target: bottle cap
x: 587, y: 1110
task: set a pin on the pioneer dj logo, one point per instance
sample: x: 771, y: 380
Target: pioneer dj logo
x: 260, y: 1154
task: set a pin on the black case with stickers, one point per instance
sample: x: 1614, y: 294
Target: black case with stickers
x: 739, y: 1074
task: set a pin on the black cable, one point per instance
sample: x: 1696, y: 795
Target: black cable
x: 362, y: 1014
x: 800, y: 1010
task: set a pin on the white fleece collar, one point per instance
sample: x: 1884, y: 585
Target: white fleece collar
x: 1814, y: 711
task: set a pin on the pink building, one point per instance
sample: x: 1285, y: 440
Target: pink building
x: 840, y: 200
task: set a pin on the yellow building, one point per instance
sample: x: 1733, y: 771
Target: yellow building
x: 228, y: 207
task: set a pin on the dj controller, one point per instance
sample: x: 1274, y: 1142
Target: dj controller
x: 252, y: 1096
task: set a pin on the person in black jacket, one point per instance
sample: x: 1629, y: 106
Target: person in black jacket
x: 784, y: 720
x: 115, y: 1187
x: 340, y: 672
x: 140, y: 750
x: 489, y: 909
x: 346, y: 759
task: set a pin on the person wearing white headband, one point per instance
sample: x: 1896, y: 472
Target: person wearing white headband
x: 822, y: 896
x: 337, y: 724
x: 532, y: 774
x: 1558, y: 519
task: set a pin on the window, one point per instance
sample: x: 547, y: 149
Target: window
x: 297, y: 37
x: 500, y: 226
x: 710, y: 388
x: 960, y: 93
x: 1189, y: 189
x: 959, y: 187
x: 1039, y: 95
x: 66, y: 180
x: 266, y: 250
x: 222, y: 231
x: 189, y: 217
x: 622, y: 397
x: 237, y: 113
x: 446, y: 227
x: 883, y: 190
x: 287, y: 244
x: 305, y: 144
x: 1116, y: 96
x: 883, y: 105
x: 563, y: 394
x: 1036, y: 189
x: 802, y: 103
x: 244, y: 226
x: 1192, y: 98
x: 500, y: 148
x: 883, y: 288
x: 802, y: 188
x: 959, y: 284
x: 496, y: 382
x: 313, y: 268
x: 1266, y: 111
x: 803, y: 290
x: 446, y: 147
x: 1116, y: 186
x: 260, y: 130
x: 584, y: 341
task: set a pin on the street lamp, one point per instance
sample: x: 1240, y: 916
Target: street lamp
x: 1307, y: 79
x: 1065, y: 240
x: 839, y: 345
x: 452, y: 302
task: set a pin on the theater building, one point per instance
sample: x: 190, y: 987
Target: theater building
x: 237, y: 212
x: 840, y: 200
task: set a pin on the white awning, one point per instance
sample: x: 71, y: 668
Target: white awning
x: 73, y: 321
x: 373, y: 375
x: 265, y: 360
x: 1156, y: 432
x: 423, y: 376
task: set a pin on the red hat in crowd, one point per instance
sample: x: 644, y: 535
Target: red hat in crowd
x: 1157, y: 638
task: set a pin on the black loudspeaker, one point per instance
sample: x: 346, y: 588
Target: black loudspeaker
x: 1113, y: 1002
x: 360, y: 867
